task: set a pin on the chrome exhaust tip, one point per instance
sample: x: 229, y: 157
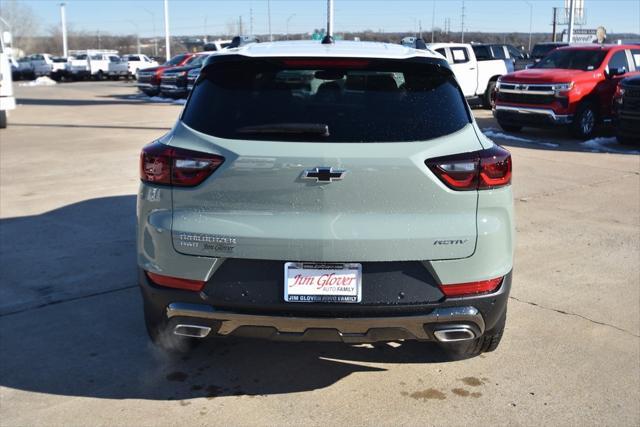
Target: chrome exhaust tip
x: 193, y: 331
x: 454, y: 334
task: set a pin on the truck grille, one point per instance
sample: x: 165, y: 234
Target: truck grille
x: 631, y: 100
x: 146, y: 78
x: 525, y: 98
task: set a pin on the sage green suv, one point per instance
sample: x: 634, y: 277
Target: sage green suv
x: 337, y: 192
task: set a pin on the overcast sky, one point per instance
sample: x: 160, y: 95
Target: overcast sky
x: 194, y: 16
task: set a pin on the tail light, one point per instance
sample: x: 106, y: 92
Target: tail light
x: 161, y: 164
x: 478, y: 170
x: 176, y: 282
x: 471, y: 288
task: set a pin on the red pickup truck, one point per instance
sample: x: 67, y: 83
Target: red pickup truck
x: 572, y: 86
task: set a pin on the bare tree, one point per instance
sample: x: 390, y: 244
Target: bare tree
x: 23, y: 22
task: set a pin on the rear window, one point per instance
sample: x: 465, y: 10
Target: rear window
x: 380, y: 102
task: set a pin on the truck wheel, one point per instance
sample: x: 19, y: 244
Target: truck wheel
x: 509, y: 127
x: 584, y: 121
x: 488, y: 342
x: 162, y: 337
x: 99, y: 75
x: 3, y: 119
x: 488, y: 100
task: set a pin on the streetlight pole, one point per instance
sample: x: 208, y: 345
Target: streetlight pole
x: 63, y: 21
x: 153, y: 22
x: 167, y: 37
x: 572, y: 7
x: 530, y: 22
x: 269, y: 19
x: 289, y: 19
x: 137, y: 34
x: 433, y: 22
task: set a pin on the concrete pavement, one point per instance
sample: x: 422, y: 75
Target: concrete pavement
x: 73, y: 349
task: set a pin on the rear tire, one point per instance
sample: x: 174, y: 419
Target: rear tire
x: 585, y: 121
x: 162, y: 336
x: 487, y: 99
x: 509, y: 127
x: 3, y: 119
x: 488, y: 342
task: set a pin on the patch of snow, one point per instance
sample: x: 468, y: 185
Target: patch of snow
x: 40, y: 81
x: 159, y: 99
x: 497, y: 134
x: 548, y: 144
x: 607, y: 145
x: 179, y: 101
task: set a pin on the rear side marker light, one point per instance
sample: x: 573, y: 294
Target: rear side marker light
x: 176, y: 282
x: 477, y: 170
x: 161, y: 164
x: 471, y: 288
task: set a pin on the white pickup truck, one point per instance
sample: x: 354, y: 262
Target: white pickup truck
x: 137, y: 62
x: 90, y: 64
x: 476, y: 78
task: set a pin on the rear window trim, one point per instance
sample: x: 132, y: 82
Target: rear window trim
x: 441, y: 65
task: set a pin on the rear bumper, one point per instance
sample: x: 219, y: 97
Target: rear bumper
x: 530, y: 116
x: 384, y: 321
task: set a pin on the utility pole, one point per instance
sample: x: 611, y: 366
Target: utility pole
x: 240, y: 25
x: 251, y: 21
x: 167, y: 37
x: 572, y: 7
x: 269, y: 19
x: 433, y: 22
x: 420, y: 28
x: 555, y: 20
x: 530, y: 21
x: 462, y: 24
x: 63, y: 22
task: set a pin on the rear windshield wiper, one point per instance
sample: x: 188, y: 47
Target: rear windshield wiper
x: 319, y: 129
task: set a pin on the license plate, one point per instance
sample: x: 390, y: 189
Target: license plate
x: 314, y: 282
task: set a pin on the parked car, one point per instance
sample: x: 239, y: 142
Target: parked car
x: 7, y: 101
x: 365, y: 206
x: 571, y: 87
x: 42, y: 64
x: 174, y: 81
x: 513, y: 58
x: 138, y: 62
x: 25, y: 68
x: 216, y: 45
x: 476, y: 78
x: 59, y: 68
x: 90, y: 64
x: 192, y: 76
x: 118, y: 67
x: 15, y: 68
x: 149, y: 79
x: 626, y: 109
x: 540, y: 50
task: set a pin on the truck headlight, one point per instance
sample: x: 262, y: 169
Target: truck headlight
x: 560, y: 89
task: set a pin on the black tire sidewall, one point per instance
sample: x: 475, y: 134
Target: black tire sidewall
x: 576, y: 127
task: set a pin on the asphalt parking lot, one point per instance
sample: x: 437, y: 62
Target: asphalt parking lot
x: 73, y: 349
